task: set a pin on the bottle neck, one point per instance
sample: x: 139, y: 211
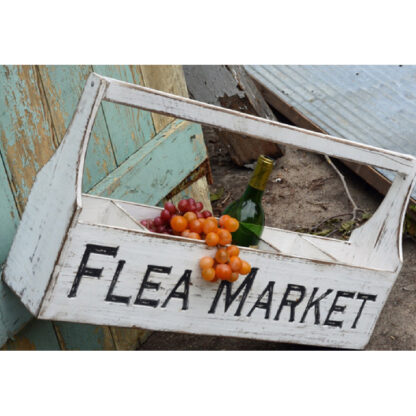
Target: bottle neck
x: 253, y: 194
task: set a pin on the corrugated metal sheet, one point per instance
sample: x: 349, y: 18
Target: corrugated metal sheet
x: 375, y: 105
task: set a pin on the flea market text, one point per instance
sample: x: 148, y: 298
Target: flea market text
x: 298, y: 302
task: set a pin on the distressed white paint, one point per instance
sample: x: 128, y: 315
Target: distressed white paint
x: 368, y: 263
x: 140, y: 250
x: 50, y: 207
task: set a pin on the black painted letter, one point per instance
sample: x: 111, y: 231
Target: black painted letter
x: 185, y: 279
x: 337, y: 308
x: 116, y: 298
x: 315, y: 303
x: 229, y: 298
x: 150, y: 285
x: 291, y: 303
x: 264, y: 305
x: 364, y: 298
x: 83, y: 270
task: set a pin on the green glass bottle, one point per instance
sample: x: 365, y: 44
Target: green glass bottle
x: 248, y: 209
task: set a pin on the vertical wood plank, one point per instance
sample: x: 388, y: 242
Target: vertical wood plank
x: 63, y: 85
x: 27, y: 141
x: 168, y: 78
x: 26, y: 137
x: 129, y: 128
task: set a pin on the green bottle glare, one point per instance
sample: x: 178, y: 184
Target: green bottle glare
x: 248, y: 209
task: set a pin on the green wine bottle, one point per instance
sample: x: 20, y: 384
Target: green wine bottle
x: 248, y: 209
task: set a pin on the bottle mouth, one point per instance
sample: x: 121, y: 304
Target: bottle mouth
x: 266, y: 160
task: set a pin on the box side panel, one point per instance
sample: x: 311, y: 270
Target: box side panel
x: 118, y: 277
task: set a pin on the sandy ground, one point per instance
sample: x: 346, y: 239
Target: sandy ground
x: 302, y: 191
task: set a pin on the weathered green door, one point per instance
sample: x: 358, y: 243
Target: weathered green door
x: 36, y: 107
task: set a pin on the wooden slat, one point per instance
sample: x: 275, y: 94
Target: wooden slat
x: 63, y: 85
x: 27, y: 142
x: 27, y: 139
x: 129, y: 127
x: 167, y: 78
x: 249, y: 125
x: 149, y: 174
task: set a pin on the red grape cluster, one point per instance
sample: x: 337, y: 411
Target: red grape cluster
x: 161, y: 224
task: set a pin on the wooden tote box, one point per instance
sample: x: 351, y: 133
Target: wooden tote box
x: 83, y: 258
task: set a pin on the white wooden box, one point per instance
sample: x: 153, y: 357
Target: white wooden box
x: 87, y: 259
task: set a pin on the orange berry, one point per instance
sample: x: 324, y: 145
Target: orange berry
x: 210, y: 225
x: 225, y: 236
x: 196, y: 236
x: 233, y: 277
x: 245, y: 267
x: 235, y: 263
x: 212, y: 239
x: 185, y: 233
x: 208, y: 274
x: 195, y: 226
x: 233, y: 251
x: 206, y: 262
x: 221, y: 256
x: 231, y: 224
x: 223, y: 219
x: 223, y: 271
x: 190, y: 216
x: 201, y: 220
x: 178, y: 223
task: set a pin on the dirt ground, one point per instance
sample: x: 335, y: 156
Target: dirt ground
x: 302, y: 191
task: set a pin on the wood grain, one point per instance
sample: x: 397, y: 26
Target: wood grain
x: 159, y: 165
x: 63, y: 85
x: 193, y: 315
x: 26, y: 138
x: 129, y: 128
x: 167, y: 78
x: 367, y: 265
x: 249, y: 125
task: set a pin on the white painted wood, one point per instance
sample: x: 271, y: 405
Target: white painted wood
x: 249, y: 125
x: 50, y: 207
x: 139, y: 250
x: 60, y: 221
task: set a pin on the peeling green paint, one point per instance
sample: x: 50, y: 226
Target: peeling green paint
x: 154, y: 170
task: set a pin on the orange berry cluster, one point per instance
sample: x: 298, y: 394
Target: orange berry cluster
x: 189, y: 225
x: 225, y: 265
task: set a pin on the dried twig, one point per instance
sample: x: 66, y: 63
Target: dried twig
x: 355, y: 208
